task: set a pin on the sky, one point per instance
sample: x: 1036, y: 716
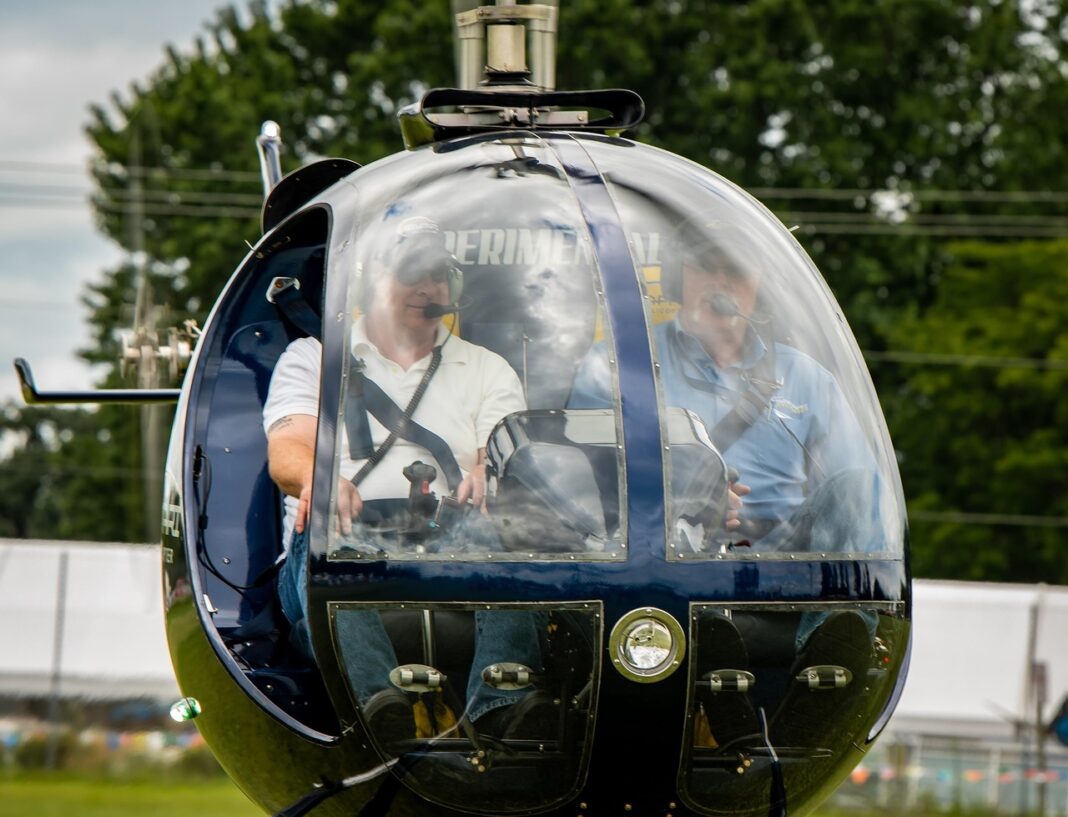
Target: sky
x: 58, y: 57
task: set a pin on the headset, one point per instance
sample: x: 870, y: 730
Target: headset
x: 416, y: 252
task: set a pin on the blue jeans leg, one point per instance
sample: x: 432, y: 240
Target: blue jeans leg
x: 366, y: 652
x: 366, y: 649
x: 293, y: 591
x: 502, y: 636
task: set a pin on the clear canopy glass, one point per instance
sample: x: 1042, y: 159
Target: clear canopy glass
x: 479, y: 256
x: 482, y: 404
x: 510, y: 445
x: 750, y: 344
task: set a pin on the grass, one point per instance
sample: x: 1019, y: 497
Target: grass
x: 60, y: 795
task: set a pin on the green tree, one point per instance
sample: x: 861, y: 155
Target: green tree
x: 908, y: 95
x: 32, y: 434
x: 990, y: 437
x: 57, y: 481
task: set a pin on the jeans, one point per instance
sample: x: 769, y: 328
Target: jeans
x: 841, y: 516
x: 501, y: 636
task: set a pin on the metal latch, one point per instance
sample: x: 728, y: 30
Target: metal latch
x: 825, y: 676
x: 507, y: 676
x: 416, y: 678
x: 730, y: 680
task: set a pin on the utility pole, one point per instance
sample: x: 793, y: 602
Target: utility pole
x: 1036, y: 703
x: 57, y: 662
x: 1040, y: 685
x: 144, y: 337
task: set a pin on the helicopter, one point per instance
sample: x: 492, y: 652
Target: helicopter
x: 680, y: 662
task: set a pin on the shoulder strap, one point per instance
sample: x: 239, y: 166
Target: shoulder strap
x: 762, y: 385
x: 366, y: 396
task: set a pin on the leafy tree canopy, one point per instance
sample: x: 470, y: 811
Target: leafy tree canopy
x: 907, y: 95
x: 990, y: 436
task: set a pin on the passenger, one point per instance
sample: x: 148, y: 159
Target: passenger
x: 401, y: 347
x: 804, y: 476
x: 793, y: 431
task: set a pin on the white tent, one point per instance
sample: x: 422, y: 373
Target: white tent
x: 111, y: 645
x: 972, y: 651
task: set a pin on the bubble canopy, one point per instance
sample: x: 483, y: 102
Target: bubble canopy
x: 611, y: 321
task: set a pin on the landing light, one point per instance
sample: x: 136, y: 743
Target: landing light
x: 647, y: 645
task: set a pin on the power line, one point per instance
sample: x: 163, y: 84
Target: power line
x: 124, y: 194
x: 933, y: 359
x: 15, y: 165
x: 808, y: 229
x: 182, y: 196
x: 49, y: 204
x: 22, y: 303
x: 190, y: 210
x: 919, y: 194
x: 810, y: 223
x: 928, y: 219
x: 35, y: 189
x: 814, y: 193
x: 990, y: 519
x: 906, y: 230
x: 210, y: 173
x: 887, y: 356
x: 200, y: 173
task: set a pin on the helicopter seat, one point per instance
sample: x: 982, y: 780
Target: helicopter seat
x: 239, y: 546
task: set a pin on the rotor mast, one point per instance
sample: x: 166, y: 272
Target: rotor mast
x: 499, y: 90
x: 492, y: 43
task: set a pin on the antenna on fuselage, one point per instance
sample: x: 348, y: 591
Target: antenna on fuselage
x: 269, y: 148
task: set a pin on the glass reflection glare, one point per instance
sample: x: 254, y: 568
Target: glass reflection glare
x: 545, y: 483
x: 647, y: 645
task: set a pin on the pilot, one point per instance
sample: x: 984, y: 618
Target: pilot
x: 402, y: 347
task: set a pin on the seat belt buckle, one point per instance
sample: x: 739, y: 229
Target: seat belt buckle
x: 279, y: 286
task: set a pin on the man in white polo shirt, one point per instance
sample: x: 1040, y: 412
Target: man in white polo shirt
x: 404, y: 349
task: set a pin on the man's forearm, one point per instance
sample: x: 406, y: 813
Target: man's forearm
x: 291, y: 454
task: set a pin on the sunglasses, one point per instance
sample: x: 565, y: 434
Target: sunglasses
x: 411, y: 271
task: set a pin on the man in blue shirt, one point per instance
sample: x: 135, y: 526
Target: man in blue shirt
x: 805, y: 479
